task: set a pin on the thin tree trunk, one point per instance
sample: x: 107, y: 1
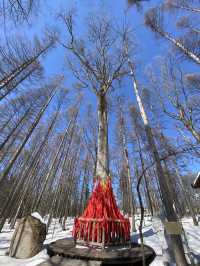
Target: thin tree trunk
x: 11, y: 144
x: 178, y: 44
x: 11, y: 200
x: 187, y: 197
x: 25, y: 176
x: 128, y: 171
x: 6, y: 123
x: 176, y: 241
x: 171, y: 188
x: 61, y: 174
x: 13, y: 130
x: 82, y: 203
x: 64, y: 138
x: 145, y: 178
x: 26, y: 138
x: 17, y: 193
x: 187, y: 8
x: 18, y: 82
x: 66, y: 165
x: 10, y: 77
x: 69, y: 191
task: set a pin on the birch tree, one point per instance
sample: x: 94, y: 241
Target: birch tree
x: 165, y: 194
x: 154, y: 20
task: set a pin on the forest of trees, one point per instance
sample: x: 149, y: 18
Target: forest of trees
x: 56, y: 138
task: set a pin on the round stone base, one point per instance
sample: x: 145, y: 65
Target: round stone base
x: 109, y: 256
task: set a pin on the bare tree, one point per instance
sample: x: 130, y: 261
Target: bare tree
x: 102, y: 59
x: 165, y: 194
x: 22, y: 184
x: 19, y: 10
x: 54, y: 165
x: 188, y: 23
x: 19, y: 62
x: 154, y: 20
x: 188, y: 5
x: 139, y: 135
x: 53, y: 86
x: 178, y: 98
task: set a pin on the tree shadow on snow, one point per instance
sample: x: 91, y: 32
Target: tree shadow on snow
x: 196, y: 257
x: 136, y: 237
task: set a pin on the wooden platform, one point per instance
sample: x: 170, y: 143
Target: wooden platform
x: 110, y: 256
x: 61, y: 261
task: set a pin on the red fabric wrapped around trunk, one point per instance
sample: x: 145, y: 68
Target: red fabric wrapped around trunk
x: 102, y: 207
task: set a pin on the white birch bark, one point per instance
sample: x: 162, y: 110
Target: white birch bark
x: 176, y: 241
x: 178, y: 44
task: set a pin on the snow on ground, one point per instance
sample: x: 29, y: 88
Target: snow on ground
x: 153, y: 233
x: 153, y: 236
x: 55, y: 233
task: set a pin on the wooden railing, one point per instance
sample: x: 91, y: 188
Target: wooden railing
x: 91, y: 232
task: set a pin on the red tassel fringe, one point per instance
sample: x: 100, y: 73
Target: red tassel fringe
x: 102, y: 207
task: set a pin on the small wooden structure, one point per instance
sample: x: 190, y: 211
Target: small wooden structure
x: 92, y: 234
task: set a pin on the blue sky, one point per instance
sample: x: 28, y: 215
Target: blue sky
x: 149, y: 48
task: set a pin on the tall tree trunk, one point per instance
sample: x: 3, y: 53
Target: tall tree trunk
x: 5, y: 153
x: 69, y: 190
x: 127, y: 167
x: 16, y: 126
x: 102, y: 167
x: 13, y: 86
x: 176, y: 240
x: 53, y: 167
x: 171, y: 187
x: 10, y: 201
x: 186, y: 196
x: 25, y: 175
x: 6, y: 123
x: 84, y: 185
x: 130, y: 190
x: 145, y: 177
x: 179, y: 45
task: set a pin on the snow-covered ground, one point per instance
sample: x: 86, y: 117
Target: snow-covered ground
x: 153, y: 233
x: 153, y: 236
